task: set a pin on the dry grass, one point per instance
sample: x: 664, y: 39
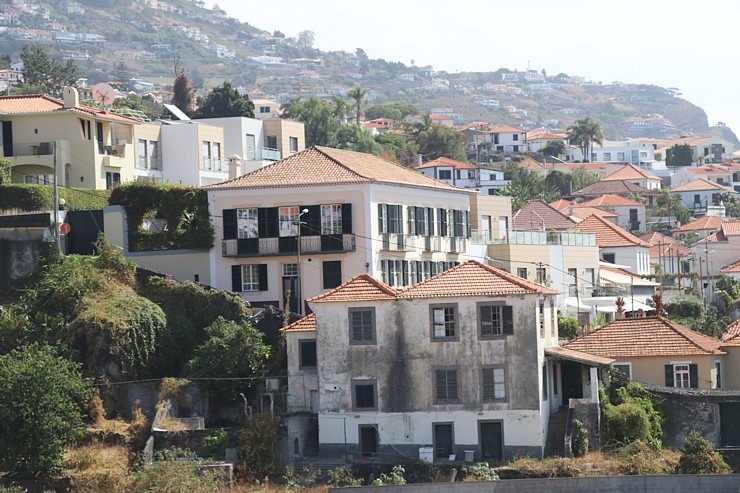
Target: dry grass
x: 98, y: 467
x: 272, y: 488
x: 171, y: 388
x: 137, y: 429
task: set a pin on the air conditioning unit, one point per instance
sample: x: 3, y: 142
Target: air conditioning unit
x: 272, y: 384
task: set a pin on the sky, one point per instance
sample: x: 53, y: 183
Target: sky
x: 684, y: 44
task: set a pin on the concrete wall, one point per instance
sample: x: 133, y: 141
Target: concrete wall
x: 616, y: 484
x: 493, y: 206
x: 283, y: 130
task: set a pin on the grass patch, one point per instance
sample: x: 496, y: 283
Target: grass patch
x: 99, y: 467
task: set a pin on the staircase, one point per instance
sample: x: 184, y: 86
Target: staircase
x: 314, y: 463
x: 554, y: 446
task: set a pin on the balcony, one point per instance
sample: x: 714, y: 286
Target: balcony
x: 270, y: 154
x: 268, y: 247
x: 32, y: 153
x: 548, y: 238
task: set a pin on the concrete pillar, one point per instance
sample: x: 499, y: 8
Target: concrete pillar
x: 594, y: 384
x: 235, y: 166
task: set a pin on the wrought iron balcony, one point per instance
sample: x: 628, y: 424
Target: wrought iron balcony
x: 265, y: 247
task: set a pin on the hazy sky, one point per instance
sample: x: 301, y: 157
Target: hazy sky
x: 671, y: 43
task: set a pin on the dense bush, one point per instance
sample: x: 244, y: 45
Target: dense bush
x: 184, y: 211
x: 258, y: 446
x: 43, y: 398
x: 27, y: 197
x: 481, y: 471
x: 639, y: 458
x: 631, y: 413
x: 580, y: 439
x: 567, y: 326
x: 700, y: 457
x: 5, y: 173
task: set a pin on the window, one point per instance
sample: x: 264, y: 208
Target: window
x: 590, y: 278
x: 363, y: 394
x: 411, y: 216
x: 718, y: 377
x: 609, y: 257
x: 445, y: 386
x: 217, y: 156
x: 290, y: 270
x: 142, y: 147
x: 246, y: 224
x: 331, y: 219
x: 288, y: 218
x: 307, y: 350
x: 39, y: 179
x: 444, y: 322
x: 206, y: 155
x: 495, y: 320
x: 516, y: 137
x: 541, y: 275
x: 541, y: 311
x: 544, y: 382
x: 272, y: 142
x: 624, y: 368
x: 153, y: 155
x: 681, y: 376
x: 494, y: 384
x: 332, y: 273
x: 620, y: 156
x: 607, y: 156
x: 293, y: 144
x: 362, y: 325
x: 445, y: 174
x: 572, y: 282
x: 553, y: 318
x: 250, y: 277
x: 112, y: 180
x: 264, y: 110
x: 251, y: 145
x: 521, y: 272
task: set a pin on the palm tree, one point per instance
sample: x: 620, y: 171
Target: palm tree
x: 584, y: 133
x: 357, y: 93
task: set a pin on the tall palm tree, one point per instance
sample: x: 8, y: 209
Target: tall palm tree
x: 357, y: 93
x: 584, y: 133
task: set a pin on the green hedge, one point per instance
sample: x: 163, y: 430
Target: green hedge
x: 27, y: 197
x: 184, y: 210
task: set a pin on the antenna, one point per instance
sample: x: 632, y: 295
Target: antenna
x: 104, y: 94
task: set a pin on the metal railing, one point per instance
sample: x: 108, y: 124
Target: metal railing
x: 33, y: 149
x: 548, y: 238
x: 283, y: 246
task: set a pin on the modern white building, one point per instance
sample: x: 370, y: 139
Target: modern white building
x: 465, y: 175
x: 618, y: 246
x: 623, y: 152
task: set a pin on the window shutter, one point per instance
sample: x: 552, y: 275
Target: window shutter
x: 669, y: 376
x: 347, y: 219
x: 273, y: 223
x: 399, y: 229
x: 262, y: 273
x: 411, y: 218
x: 693, y: 376
x: 229, y: 224
x: 262, y: 222
x: 508, y: 319
x: 405, y: 269
x: 430, y: 219
x: 236, y: 278
x: 469, y: 232
x: 312, y: 220
x: 380, y: 218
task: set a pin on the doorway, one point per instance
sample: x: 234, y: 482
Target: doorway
x: 491, y: 440
x: 368, y: 440
x: 443, y: 440
x: 572, y: 379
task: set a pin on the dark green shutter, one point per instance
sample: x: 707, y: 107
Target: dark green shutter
x: 262, y: 273
x: 508, y: 319
x: 236, y: 278
x: 430, y: 221
x: 669, y: 376
x: 229, y: 224
x: 469, y: 232
x: 262, y: 222
x: 273, y: 223
x: 405, y: 268
x: 380, y: 219
x: 347, y: 219
x: 311, y: 221
x: 693, y: 376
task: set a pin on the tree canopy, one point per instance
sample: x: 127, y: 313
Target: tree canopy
x: 357, y: 94
x: 394, y: 111
x: 679, y: 155
x: 182, y: 94
x: 321, y: 118
x: 584, y: 133
x: 44, y: 74
x: 224, y: 101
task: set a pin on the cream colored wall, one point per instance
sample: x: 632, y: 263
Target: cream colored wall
x: 651, y: 370
x: 211, y: 133
x: 731, y: 369
x: 283, y: 130
x: 147, y: 131
x: 580, y: 258
x: 490, y: 205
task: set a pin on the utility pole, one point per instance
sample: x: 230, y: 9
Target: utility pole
x: 55, y: 222
x: 298, y: 270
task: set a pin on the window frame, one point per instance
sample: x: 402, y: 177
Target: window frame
x: 293, y: 143
x: 330, y: 265
x: 456, y: 322
x: 288, y: 215
x: 254, y: 278
x: 301, y: 353
x: 435, y: 374
x: 500, y: 305
x: 362, y: 382
x: 246, y: 217
x: 373, y: 326
x: 493, y: 369
x: 626, y: 364
x: 331, y: 219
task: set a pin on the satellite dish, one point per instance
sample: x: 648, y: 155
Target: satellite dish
x: 103, y: 93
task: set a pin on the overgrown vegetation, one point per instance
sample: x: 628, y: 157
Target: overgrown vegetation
x: 481, y: 471
x: 182, y: 211
x: 28, y: 197
x: 580, y: 439
x: 631, y: 413
x: 393, y: 478
x: 567, y: 326
x: 699, y: 457
x: 258, y: 446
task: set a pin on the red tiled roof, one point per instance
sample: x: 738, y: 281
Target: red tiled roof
x: 703, y: 223
x: 631, y: 172
x: 716, y: 236
x: 37, y: 103
x: 505, y: 129
x: 305, y: 324
x: 608, y: 234
x: 579, y: 213
x: 611, y: 200
x: 701, y: 184
x: 561, y: 204
x: 645, y: 336
x: 362, y: 287
x: 472, y: 278
x: 663, y: 246
x: 445, y: 161
x: 730, y: 228
x: 616, y: 187
x: 730, y: 337
x: 732, y: 268
x: 709, y: 170
x: 540, y: 216
x: 324, y: 166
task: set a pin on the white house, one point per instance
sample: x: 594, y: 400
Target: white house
x: 637, y: 176
x: 464, y: 364
x: 702, y: 196
x: 618, y: 246
x: 465, y: 175
x: 726, y: 174
x: 505, y: 138
x: 624, y: 152
x: 631, y: 212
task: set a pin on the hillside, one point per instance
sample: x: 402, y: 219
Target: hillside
x: 153, y: 38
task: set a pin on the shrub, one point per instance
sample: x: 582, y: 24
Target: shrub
x: 567, y: 326
x: 699, y: 457
x: 5, y: 173
x: 639, y: 458
x: 342, y: 477
x: 634, y: 415
x: 626, y: 423
x: 27, y: 197
x: 580, y: 439
x: 216, y: 443
x: 480, y: 472
x: 257, y: 445
x: 173, y: 476
x: 43, y: 399
x: 394, y: 477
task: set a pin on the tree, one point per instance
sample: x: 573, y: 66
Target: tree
x: 42, y: 72
x: 357, y: 93
x: 670, y: 205
x: 224, y: 101
x: 582, y: 177
x: 42, y: 400
x: 525, y: 185
x: 440, y: 141
x: 306, y: 39
x: 5, y: 61
x: 182, y: 94
x: 321, y: 118
x: 122, y: 75
x: 146, y: 105
x: 679, y: 155
x: 699, y: 457
x: 554, y: 148
x: 355, y: 138
x: 393, y: 111
x: 584, y: 133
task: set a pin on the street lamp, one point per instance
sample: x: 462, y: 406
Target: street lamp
x: 298, y: 270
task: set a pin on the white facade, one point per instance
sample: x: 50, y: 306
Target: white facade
x: 193, y: 153
x: 628, y: 152
x: 635, y: 258
x: 245, y: 137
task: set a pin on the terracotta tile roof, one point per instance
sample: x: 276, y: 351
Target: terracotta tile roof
x: 445, y: 161
x: 663, y: 246
x: 730, y: 337
x: 717, y: 236
x: 472, y: 278
x: 709, y: 170
x: 577, y: 356
x: 731, y: 228
x: 631, y: 172
x: 579, y: 213
x: 617, y: 275
x: 37, y: 103
x: 691, y: 140
x: 540, y: 216
x: 305, y: 324
x: 561, y: 204
x: 608, y: 234
x: 703, y: 223
x: 324, y: 166
x: 546, y: 136
x: 699, y: 185
x: 615, y: 187
x: 733, y: 268
x: 611, y: 200
x: 505, y: 129
x: 645, y: 336
x: 362, y: 287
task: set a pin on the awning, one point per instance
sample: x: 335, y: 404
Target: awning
x: 578, y: 356
x: 608, y: 304
x: 573, y: 305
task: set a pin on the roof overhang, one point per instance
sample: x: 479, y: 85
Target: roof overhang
x: 578, y: 356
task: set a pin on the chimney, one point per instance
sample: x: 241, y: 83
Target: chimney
x: 71, y: 97
x: 420, y: 159
x: 235, y: 166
